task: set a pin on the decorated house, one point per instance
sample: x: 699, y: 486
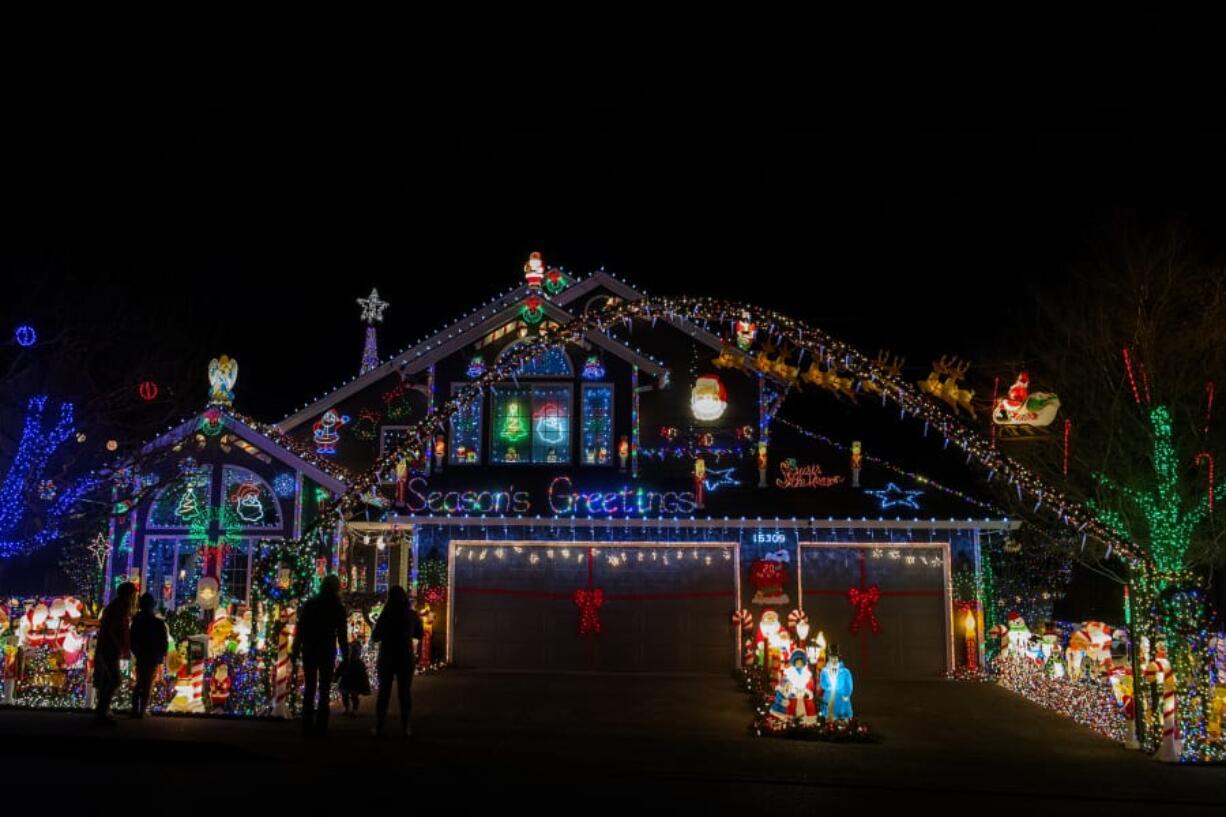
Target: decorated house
x: 610, y: 502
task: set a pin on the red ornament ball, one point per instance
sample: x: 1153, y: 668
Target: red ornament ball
x: 148, y: 390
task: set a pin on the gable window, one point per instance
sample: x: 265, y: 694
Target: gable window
x: 551, y: 361
x: 597, y: 415
x: 530, y: 424
x: 465, y: 431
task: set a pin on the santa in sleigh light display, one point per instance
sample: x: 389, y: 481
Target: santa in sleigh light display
x: 1020, y: 408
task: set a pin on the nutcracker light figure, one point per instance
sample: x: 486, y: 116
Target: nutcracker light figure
x: 700, y: 483
x: 856, y: 461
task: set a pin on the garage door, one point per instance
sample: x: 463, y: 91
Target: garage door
x: 910, y: 608
x: 664, y: 607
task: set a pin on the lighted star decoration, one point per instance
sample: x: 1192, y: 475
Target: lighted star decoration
x: 717, y: 477
x: 99, y: 548
x: 372, y: 307
x: 892, y: 495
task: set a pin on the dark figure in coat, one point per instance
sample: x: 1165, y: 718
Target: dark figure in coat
x: 113, y: 645
x: 321, y: 632
x: 397, y: 631
x: 150, y: 640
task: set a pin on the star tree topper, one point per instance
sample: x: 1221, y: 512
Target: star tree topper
x: 372, y: 308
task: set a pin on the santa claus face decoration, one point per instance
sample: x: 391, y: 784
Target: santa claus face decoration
x: 708, y: 398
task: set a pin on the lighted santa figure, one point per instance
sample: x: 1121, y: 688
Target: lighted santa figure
x: 1020, y: 407
x: 534, y: 271
x: 836, y: 689
x: 327, y: 431
x: 796, y: 693
x: 219, y: 689
x: 772, y: 646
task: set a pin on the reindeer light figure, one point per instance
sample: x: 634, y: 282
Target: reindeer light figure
x: 892, y: 369
x: 947, y: 389
x: 829, y: 379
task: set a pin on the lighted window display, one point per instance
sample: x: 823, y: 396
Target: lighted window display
x: 531, y: 424
x: 250, y: 500
x: 235, y: 573
x: 550, y: 362
x: 597, y: 424
x: 183, y: 502
x: 465, y: 432
x: 160, y: 570
x: 187, y: 571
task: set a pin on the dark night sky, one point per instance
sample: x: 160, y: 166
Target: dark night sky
x: 903, y: 189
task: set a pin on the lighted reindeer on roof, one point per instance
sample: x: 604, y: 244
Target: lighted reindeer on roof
x: 890, y: 367
x: 830, y: 380
x: 948, y: 390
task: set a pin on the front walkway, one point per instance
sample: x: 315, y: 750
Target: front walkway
x: 627, y: 738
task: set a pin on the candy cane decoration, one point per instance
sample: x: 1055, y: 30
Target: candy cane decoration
x: 281, y: 673
x: 795, y: 617
x: 196, y: 701
x: 742, y: 619
x: 1132, y: 380
x: 1205, y: 455
x: 1068, y: 427
x: 1208, y: 404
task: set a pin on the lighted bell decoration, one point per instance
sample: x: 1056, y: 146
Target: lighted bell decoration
x: 708, y: 398
x: 440, y: 448
x: 283, y: 577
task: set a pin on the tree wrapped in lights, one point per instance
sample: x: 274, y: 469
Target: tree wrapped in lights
x: 1141, y: 339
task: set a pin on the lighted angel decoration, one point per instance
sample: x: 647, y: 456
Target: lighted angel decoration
x: 223, y: 373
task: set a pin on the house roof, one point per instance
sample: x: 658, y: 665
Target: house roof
x: 329, y: 475
x: 471, y: 327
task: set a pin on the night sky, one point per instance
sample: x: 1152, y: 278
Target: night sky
x: 912, y: 190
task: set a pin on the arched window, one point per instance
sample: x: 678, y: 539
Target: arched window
x: 550, y: 362
x: 183, y: 502
x: 251, y: 502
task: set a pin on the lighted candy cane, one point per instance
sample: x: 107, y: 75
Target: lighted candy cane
x: 1161, y: 666
x: 742, y: 619
x: 1132, y: 380
x: 1208, y: 404
x: 1068, y: 427
x: 281, y: 674
x: 1205, y: 455
x: 795, y: 617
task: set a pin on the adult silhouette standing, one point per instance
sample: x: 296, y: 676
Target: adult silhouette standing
x: 321, y: 633
x: 397, y: 632
x: 114, y: 643
x: 150, y: 639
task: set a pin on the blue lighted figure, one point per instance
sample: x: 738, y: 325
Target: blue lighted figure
x: 836, y: 689
x: 25, y: 335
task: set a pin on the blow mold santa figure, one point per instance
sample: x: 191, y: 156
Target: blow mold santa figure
x: 796, y: 693
x: 772, y: 645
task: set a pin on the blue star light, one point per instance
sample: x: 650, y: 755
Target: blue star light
x: 722, y: 476
x: 892, y: 495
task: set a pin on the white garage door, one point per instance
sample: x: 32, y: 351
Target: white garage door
x: 665, y: 607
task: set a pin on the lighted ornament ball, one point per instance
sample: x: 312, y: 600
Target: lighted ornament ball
x: 25, y: 335
x: 708, y: 398
x: 148, y: 390
x: 112, y: 445
x: 81, y: 436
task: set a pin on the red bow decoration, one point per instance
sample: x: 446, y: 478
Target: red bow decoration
x: 864, y: 600
x: 589, y: 603
x: 216, y: 554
